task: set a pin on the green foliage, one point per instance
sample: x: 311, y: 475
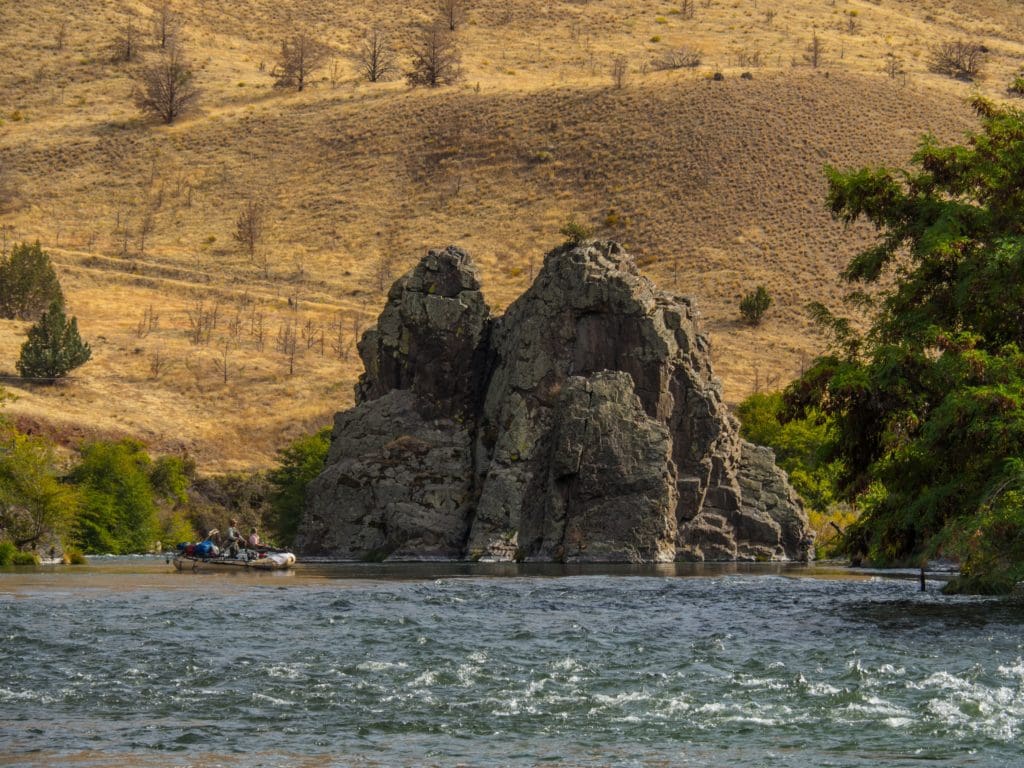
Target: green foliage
x: 755, y: 304
x: 800, y: 447
x: 74, y: 556
x: 1016, y: 86
x: 118, y: 511
x: 171, y: 477
x: 11, y: 555
x: 928, y: 404
x: 298, y: 464
x: 574, y: 232
x: 175, y: 528
x: 53, y: 348
x: 35, y: 507
x: 28, y: 283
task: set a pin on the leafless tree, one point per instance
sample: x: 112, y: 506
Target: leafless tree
x: 288, y: 344
x: 961, y: 59
x: 167, y: 23
x: 166, y: 89
x: 301, y: 55
x: 619, y: 71
x: 893, y: 65
x: 375, y: 58
x: 435, y: 58
x: 814, y: 52
x: 686, y: 9
x: 340, y: 344
x: 201, y: 321
x: 222, y: 362
x: 127, y: 42
x: 150, y: 322
x: 61, y: 38
x: 249, y: 227
x: 453, y: 12
x: 157, y: 363
x: 679, y: 59
x: 769, y: 16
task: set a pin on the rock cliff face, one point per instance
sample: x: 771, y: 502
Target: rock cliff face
x: 583, y: 425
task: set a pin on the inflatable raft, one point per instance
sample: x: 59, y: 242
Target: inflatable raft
x: 259, y: 560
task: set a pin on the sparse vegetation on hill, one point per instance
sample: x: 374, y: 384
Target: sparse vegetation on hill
x: 716, y: 185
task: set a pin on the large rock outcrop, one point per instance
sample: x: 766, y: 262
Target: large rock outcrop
x: 585, y: 424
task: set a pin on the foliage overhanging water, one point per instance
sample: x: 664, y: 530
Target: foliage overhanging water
x: 447, y: 664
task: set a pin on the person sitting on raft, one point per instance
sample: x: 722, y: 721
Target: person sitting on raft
x: 236, y: 541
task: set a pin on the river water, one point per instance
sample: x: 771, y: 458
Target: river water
x: 127, y: 663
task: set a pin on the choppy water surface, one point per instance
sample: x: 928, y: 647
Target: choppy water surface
x: 402, y: 665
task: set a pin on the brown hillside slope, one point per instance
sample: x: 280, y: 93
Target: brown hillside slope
x: 715, y: 186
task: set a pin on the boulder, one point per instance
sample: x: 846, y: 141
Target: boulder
x: 585, y: 424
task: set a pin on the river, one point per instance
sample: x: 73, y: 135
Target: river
x: 126, y: 663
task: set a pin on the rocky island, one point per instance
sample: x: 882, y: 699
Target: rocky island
x: 583, y: 425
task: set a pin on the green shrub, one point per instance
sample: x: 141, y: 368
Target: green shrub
x: 1017, y: 86
x: 755, y: 304
x: 7, y: 553
x: 74, y: 557
x: 25, y: 558
x: 574, y: 232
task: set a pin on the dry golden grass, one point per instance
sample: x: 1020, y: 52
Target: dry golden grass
x: 716, y: 186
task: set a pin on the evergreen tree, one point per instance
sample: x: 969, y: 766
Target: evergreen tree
x: 298, y: 465
x: 28, y: 283
x: 53, y: 347
x: 927, y: 407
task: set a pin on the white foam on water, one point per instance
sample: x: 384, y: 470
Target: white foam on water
x: 285, y: 671
x: 272, y: 700
x: 1014, y: 670
x: 380, y: 666
x: 425, y: 679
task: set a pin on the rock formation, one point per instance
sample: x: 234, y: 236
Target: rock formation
x: 585, y: 424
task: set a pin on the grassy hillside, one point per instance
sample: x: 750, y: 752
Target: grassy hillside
x: 716, y: 186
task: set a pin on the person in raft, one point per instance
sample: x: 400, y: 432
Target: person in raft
x: 236, y: 540
x: 254, y: 538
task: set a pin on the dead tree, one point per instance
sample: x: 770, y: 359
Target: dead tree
x: 127, y: 42
x: 61, y: 37
x: 167, y: 24
x: 301, y: 55
x: 375, y: 58
x: 961, y: 59
x: 686, y: 9
x: 814, y: 52
x: 619, y: 71
x: 436, y: 58
x: 249, y: 227
x: 453, y: 12
x: 288, y: 344
x: 166, y: 89
x: 222, y: 362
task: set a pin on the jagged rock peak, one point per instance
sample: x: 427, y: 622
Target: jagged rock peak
x: 584, y: 424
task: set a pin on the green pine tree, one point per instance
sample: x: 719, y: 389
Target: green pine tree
x: 28, y: 283
x: 53, y: 347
